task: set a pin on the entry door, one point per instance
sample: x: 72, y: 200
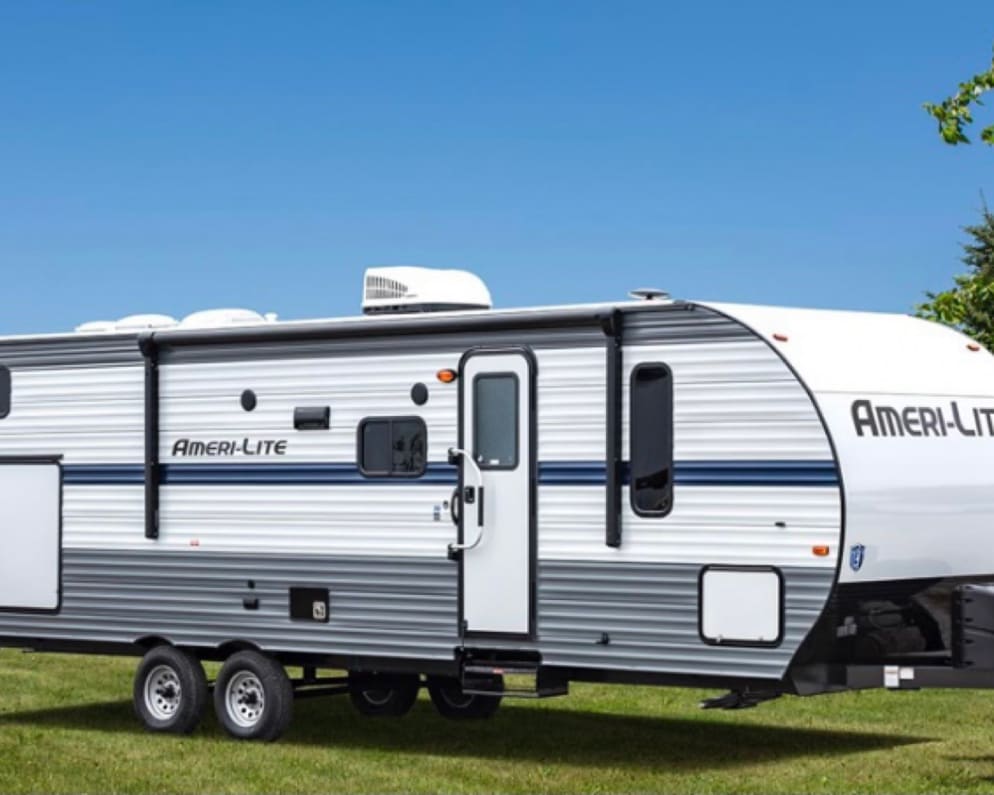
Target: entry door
x: 497, y: 434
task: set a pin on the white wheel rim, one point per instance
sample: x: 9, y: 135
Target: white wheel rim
x: 245, y: 699
x: 163, y: 694
x: 378, y: 697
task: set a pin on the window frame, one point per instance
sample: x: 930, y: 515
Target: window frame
x: 639, y: 511
x: 6, y: 391
x: 390, y: 419
x: 494, y: 374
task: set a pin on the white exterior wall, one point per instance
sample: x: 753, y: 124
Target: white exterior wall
x: 733, y: 400
x: 92, y: 415
x: 920, y: 506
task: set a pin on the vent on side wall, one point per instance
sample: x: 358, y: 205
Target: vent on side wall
x: 410, y: 289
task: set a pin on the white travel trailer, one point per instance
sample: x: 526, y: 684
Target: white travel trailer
x: 495, y: 502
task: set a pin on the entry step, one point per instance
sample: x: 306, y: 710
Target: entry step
x: 515, y: 680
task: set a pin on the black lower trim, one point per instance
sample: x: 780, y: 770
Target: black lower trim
x: 620, y: 677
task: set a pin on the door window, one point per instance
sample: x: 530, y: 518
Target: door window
x: 495, y: 420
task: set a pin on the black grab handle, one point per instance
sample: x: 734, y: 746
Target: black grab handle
x: 452, y: 506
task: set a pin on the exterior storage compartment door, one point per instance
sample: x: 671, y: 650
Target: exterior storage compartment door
x: 741, y: 605
x: 30, y: 534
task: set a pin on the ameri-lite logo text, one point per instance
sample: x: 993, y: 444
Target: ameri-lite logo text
x: 950, y: 419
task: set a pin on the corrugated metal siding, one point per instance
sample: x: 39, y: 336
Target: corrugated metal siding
x: 735, y: 401
x: 650, y: 613
x: 88, y: 414
x: 384, y: 606
x: 681, y: 323
x: 732, y: 400
x: 70, y: 350
x: 708, y: 524
x: 202, y: 401
x: 405, y: 607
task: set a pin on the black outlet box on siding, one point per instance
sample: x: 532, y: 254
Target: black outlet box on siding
x: 310, y: 604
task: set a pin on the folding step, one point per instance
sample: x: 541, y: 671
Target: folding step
x: 515, y: 680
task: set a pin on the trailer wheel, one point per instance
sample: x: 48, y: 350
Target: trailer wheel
x: 253, y: 697
x: 170, y: 691
x: 451, y: 702
x: 383, y: 695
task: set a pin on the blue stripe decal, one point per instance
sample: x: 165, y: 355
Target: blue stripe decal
x: 550, y: 473
x: 755, y: 473
x: 295, y: 474
x: 103, y: 474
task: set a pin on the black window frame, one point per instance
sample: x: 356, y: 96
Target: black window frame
x: 634, y: 437
x: 6, y: 389
x: 492, y: 375
x: 390, y: 419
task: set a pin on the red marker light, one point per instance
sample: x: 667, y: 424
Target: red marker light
x: 780, y: 337
x: 972, y: 346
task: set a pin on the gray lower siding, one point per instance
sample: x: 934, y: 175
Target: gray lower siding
x: 404, y: 608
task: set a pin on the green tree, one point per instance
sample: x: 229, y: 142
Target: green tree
x: 953, y: 113
x: 969, y: 304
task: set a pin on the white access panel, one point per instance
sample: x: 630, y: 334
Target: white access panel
x: 30, y: 504
x: 741, y: 606
x: 497, y: 572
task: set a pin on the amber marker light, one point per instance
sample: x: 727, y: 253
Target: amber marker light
x: 446, y: 376
x: 820, y: 551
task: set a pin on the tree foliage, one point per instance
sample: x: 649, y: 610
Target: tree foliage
x: 969, y: 304
x: 953, y: 113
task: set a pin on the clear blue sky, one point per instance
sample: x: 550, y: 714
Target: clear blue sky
x: 174, y: 156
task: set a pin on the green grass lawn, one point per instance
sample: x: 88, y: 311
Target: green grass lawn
x: 66, y: 725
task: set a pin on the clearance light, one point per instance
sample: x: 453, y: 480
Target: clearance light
x: 972, y: 346
x: 820, y: 551
x: 446, y: 376
x: 780, y: 337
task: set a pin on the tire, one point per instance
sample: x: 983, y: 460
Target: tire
x: 383, y: 695
x: 253, y: 697
x: 450, y: 701
x: 170, y: 692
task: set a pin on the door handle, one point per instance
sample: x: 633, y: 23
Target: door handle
x: 469, y: 495
x: 453, y: 514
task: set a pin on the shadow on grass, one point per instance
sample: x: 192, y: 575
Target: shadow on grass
x: 518, y: 733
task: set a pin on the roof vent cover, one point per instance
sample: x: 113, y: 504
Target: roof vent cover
x: 408, y: 289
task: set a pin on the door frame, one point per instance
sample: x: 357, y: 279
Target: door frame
x: 532, y: 402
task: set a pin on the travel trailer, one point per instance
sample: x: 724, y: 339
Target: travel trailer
x: 499, y: 502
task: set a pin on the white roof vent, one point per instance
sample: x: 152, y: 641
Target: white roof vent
x: 144, y: 322
x: 222, y: 318
x: 131, y: 323
x: 97, y: 327
x: 409, y: 289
